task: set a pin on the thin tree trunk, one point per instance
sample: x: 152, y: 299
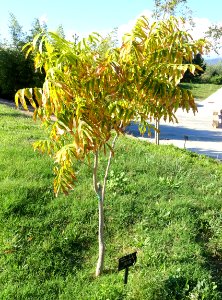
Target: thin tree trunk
x: 157, y: 133
x: 100, y: 262
x: 100, y: 191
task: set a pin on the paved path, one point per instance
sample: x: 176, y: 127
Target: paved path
x: 202, y: 137
x: 11, y: 103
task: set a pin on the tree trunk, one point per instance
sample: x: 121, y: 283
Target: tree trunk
x: 100, y: 194
x: 100, y: 262
x: 157, y: 134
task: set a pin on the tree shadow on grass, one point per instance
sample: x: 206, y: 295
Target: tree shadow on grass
x: 214, y: 264
x: 28, y: 201
x: 204, y: 233
x: 65, y: 258
x: 213, y: 260
x: 182, y: 284
x: 42, y: 238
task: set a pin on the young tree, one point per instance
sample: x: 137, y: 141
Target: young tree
x: 94, y: 95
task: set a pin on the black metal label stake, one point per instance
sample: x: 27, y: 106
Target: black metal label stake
x: 125, y: 262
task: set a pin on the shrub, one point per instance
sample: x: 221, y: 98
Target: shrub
x: 16, y: 72
x: 217, y: 79
x: 213, y: 74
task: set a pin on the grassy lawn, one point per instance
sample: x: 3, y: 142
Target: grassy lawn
x: 201, y: 91
x: 163, y: 202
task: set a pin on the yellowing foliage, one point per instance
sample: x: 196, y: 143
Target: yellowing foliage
x: 92, y: 91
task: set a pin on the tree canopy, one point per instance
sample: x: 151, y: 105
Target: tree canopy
x: 92, y: 93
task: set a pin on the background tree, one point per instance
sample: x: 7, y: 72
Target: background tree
x: 163, y: 9
x: 16, y: 71
x: 94, y: 95
x: 60, y: 31
x: 214, y: 33
x: 198, y: 60
x: 17, y: 35
x: 36, y: 28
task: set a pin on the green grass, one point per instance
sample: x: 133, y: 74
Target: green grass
x: 163, y: 202
x: 201, y: 91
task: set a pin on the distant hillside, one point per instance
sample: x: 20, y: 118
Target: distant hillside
x: 213, y: 61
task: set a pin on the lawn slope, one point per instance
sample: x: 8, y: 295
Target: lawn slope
x: 201, y: 91
x: 163, y: 202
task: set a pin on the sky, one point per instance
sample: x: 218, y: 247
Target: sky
x: 85, y: 16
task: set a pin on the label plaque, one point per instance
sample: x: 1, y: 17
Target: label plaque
x: 127, y: 261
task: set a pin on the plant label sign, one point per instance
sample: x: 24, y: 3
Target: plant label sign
x: 125, y: 262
